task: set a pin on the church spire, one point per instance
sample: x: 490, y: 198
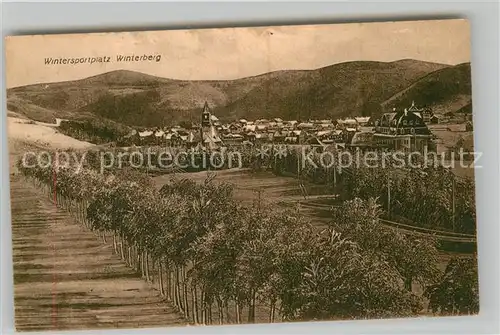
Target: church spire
x: 209, y: 134
x: 206, y: 116
x: 206, y: 109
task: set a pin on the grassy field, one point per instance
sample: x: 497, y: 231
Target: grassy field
x: 447, y: 137
x: 448, y: 134
x: 274, y: 190
x: 247, y: 184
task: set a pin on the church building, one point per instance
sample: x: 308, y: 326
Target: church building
x: 209, y: 136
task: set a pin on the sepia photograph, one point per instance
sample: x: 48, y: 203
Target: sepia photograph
x: 225, y: 176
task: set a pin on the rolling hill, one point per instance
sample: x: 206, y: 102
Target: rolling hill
x: 137, y: 99
x: 445, y: 90
x: 344, y: 89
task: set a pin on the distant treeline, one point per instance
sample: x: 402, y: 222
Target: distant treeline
x: 97, y: 131
x: 144, y: 108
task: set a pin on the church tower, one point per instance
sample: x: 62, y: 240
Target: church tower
x: 206, y: 121
x: 209, y: 134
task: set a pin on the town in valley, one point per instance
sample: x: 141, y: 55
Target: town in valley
x: 295, y: 231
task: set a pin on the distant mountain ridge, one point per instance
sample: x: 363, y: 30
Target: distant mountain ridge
x: 446, y: 90
x: 351, y: 88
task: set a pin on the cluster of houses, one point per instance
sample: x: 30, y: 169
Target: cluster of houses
x: 402, y: 129
x: 212, y: 132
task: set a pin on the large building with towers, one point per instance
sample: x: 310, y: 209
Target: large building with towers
x: 403, y: 130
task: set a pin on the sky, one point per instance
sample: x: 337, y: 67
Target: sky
x: 230, y: 53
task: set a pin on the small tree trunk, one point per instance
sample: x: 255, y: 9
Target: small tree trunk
x: 172, y: 286
x: 184, y: 292
x: 194, y: 297
x: 238, y: 312
x: 137, y: 259
x: 251, y: 308
x: 133, y: 256
x: 122, y: 251
x: 138, y: 264
x: 220, y: 311
x: 143, y: 269
x: 174, y: 289
x: 408, y: 284
x: 168, y: 288
x: 272, y: 311
x: 209, y: 311
x: 160, y: 279
x: 143, y: 263
x: 76, y: 213
x: 115, y: 248
x: 249, y: 318
x: 84, y: 213
x: 147, y: 265
x: 118, y: 244
x: 178, y: 289
x: 226, y: 308
x: 79, y: 211
x: 127, y: 249
x: 129, y: 255
x: 203, y: 307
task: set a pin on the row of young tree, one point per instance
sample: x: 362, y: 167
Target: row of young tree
x: 432, y: 197
x: 220, y: 262
x: 429, y: 196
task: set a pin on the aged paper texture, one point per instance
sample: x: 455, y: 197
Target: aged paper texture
x: 242, y: 175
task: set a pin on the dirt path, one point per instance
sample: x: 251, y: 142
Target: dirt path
x: 64, y: 278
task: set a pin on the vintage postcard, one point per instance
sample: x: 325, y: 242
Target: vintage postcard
x: 242, y: 175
